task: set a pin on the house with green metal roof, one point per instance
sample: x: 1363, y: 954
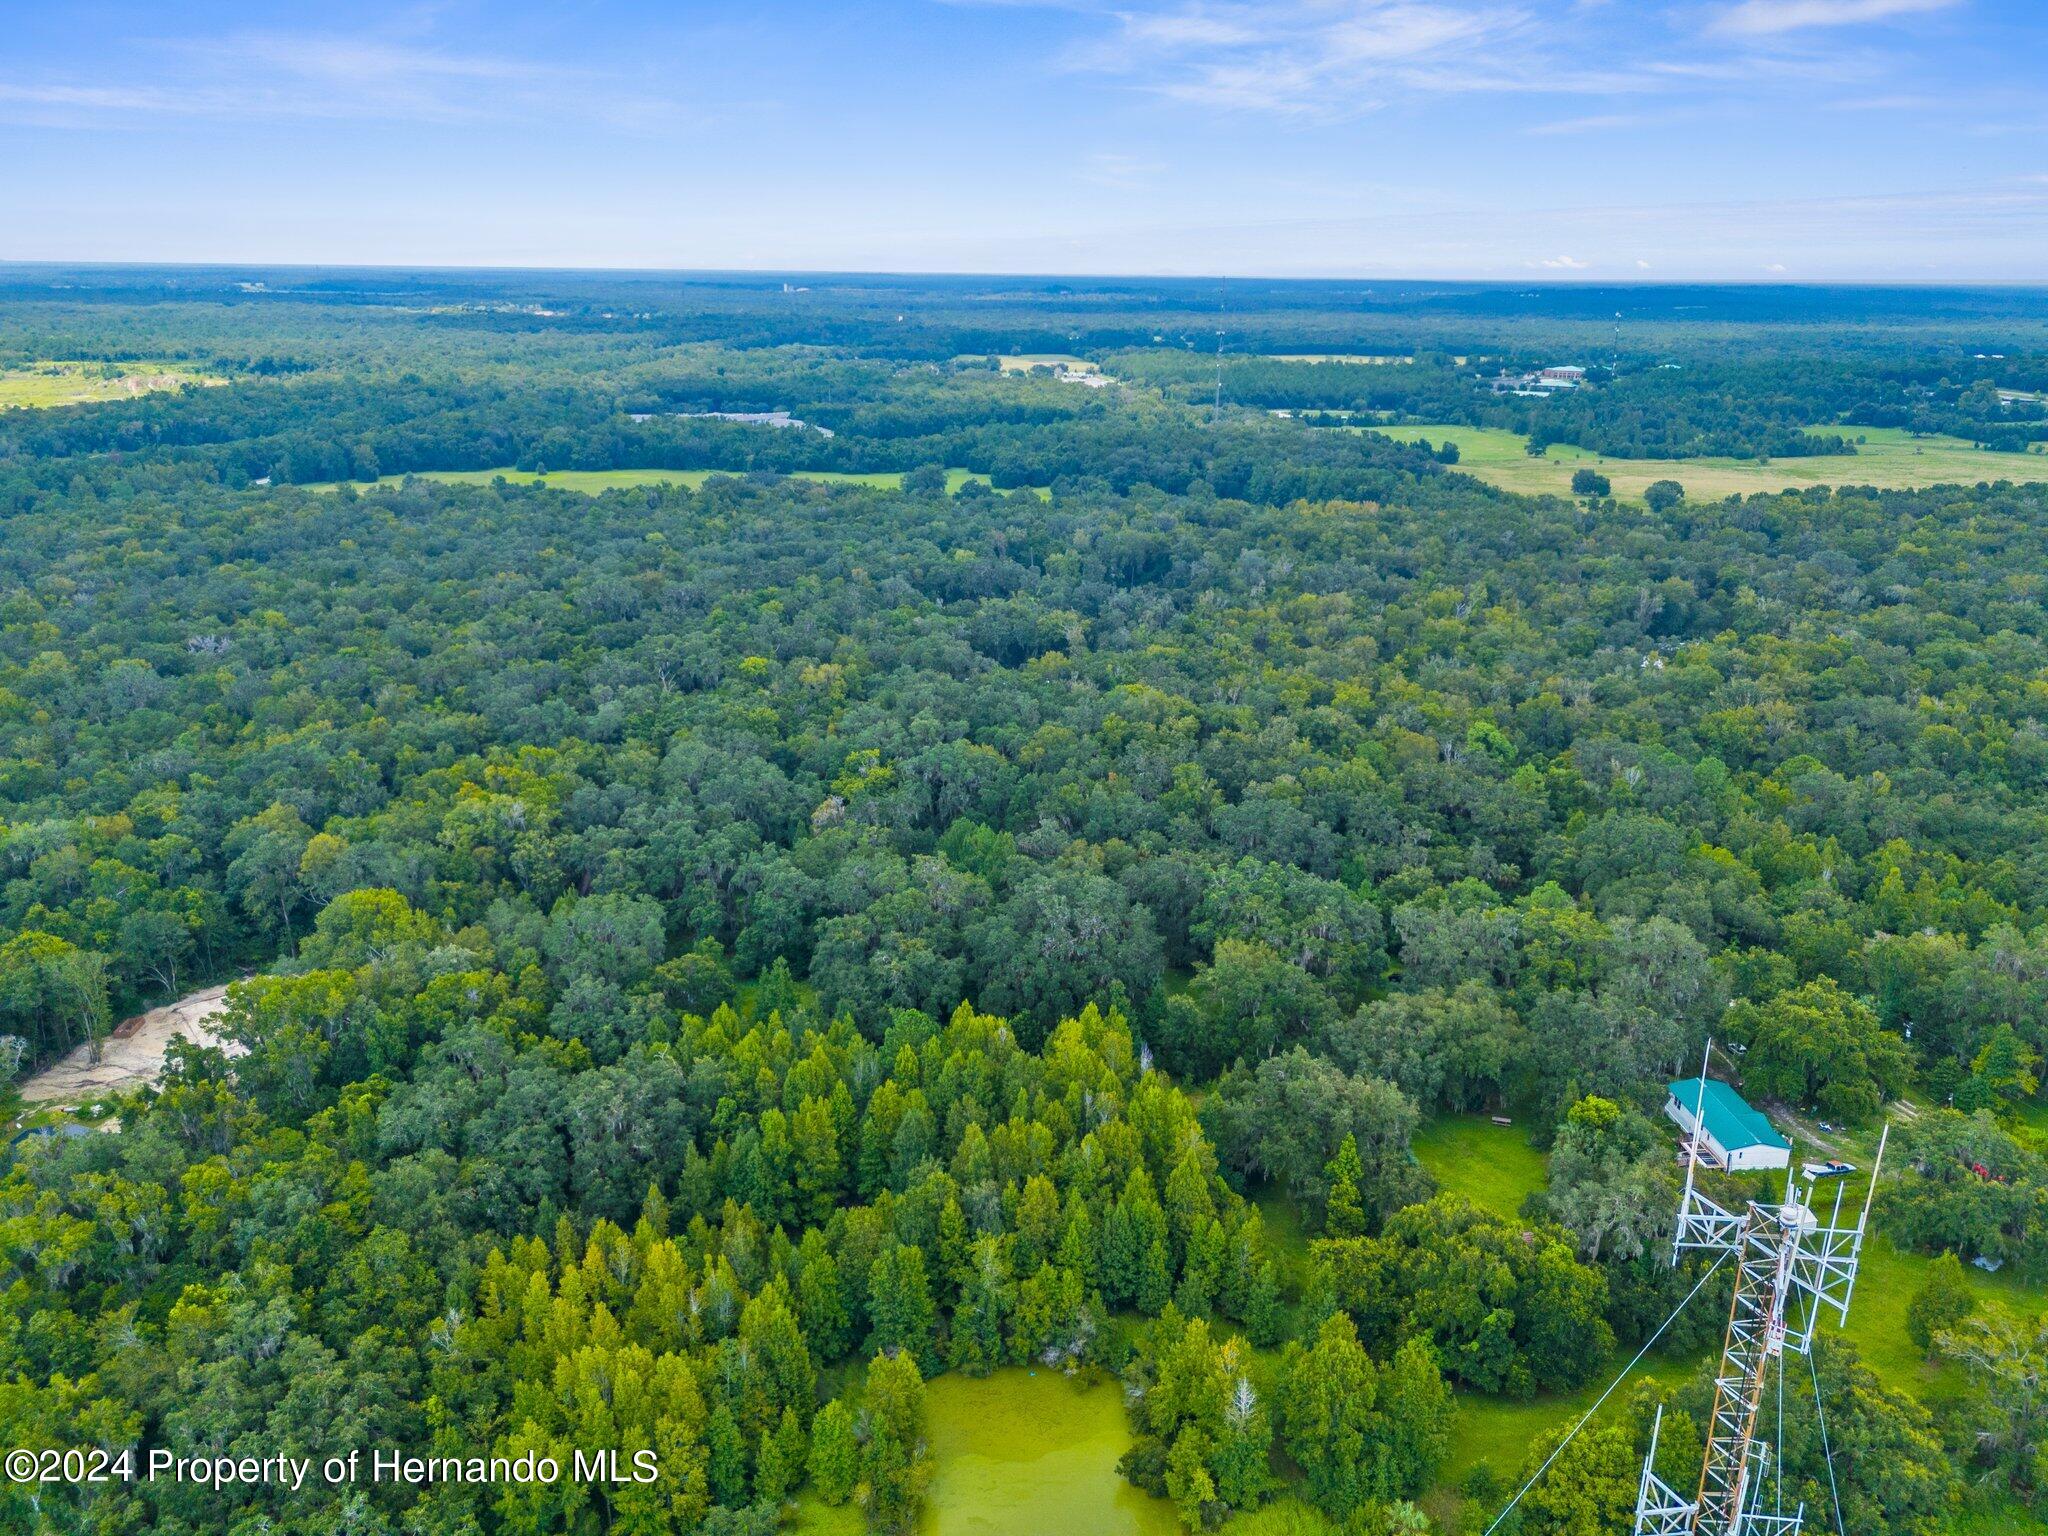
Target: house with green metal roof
x: 1730, y: 1133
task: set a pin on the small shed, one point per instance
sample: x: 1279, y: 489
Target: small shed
x: 1729, y: 1132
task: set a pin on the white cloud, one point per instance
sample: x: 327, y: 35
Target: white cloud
x: 1642, y: 265
x: 274, y: 75
x: 1774, y: 266
x: 1563, y: 263
x: 1335, y: 58
x: 1767, y: 18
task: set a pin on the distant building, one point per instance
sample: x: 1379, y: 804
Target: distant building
x: 1729, y: 1133
x: 744, y: 418
x: 1545, y: 381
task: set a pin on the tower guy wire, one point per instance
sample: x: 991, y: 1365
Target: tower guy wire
x: 1537, y: 1476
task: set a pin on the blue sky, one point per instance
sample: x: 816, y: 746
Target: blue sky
x: 1556, y: 139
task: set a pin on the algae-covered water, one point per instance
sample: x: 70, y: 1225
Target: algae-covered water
x: 1020, y: 1454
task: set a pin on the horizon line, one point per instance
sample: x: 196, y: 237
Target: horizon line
x: 1545, y: 279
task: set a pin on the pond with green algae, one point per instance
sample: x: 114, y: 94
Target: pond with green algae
x: 1027, y: 1453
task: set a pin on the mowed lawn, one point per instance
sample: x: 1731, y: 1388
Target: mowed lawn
x: 40, y: 386
x: 1889, y: 457
x: 595, y: 482
x: 1491, y: 1165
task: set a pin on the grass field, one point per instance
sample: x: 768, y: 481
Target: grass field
x: 595, y: 482
x: 1491, y: 1165
x: 1024, y: 362
x: 39, y: 386
x: 1889, y: 457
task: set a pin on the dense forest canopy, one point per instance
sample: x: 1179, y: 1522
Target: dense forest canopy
x: 722, y: 953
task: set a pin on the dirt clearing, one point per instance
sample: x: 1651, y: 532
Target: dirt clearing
x: 133, y: 1055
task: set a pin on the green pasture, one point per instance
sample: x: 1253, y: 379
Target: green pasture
x: 1889, y: 457
x: 42, y: 385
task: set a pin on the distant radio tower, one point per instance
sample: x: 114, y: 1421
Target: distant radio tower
x: 1222, y: 299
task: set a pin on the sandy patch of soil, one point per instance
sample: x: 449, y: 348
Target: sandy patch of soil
x: 133, y: 1055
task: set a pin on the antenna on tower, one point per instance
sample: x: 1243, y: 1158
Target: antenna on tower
x: 1789, y: 1267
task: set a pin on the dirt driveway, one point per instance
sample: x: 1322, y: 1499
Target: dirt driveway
x: 133, y: 1055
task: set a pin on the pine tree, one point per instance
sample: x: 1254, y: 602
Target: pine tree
x: 1330, y: 1418
x: 1189, y: 1202
x: 777, y: 992
x: 835, y: 1457
x: 821, y: 1299
x: 1343, y: 1211
x: 819, y: 1175
x: 895, y: 1464
x: 1154, y: 1284
x: 1037, y: 1226
x: 1188, y: 1482
x: 878, y: 1137
x: 900, y: 1305
x: 976, y: 1346
x: 727, y: 1468
x: 953, y: 1258
x: 1201, y: 1275
x: 772, y: 1475
x: 1265, y: 1314
x: 779, y: 1373
x: 1419, y: 1413
x: 1081, y: 1246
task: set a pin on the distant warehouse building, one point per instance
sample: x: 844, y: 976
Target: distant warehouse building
x: 1730, y: 1133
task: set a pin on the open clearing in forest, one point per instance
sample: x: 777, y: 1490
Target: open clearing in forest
x: 1889, y: 457
x: 595, y: 482
x: 1024, y: 362
x: 133, y: 1055
x: 42, y: 385
x: 1491, y: 1165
